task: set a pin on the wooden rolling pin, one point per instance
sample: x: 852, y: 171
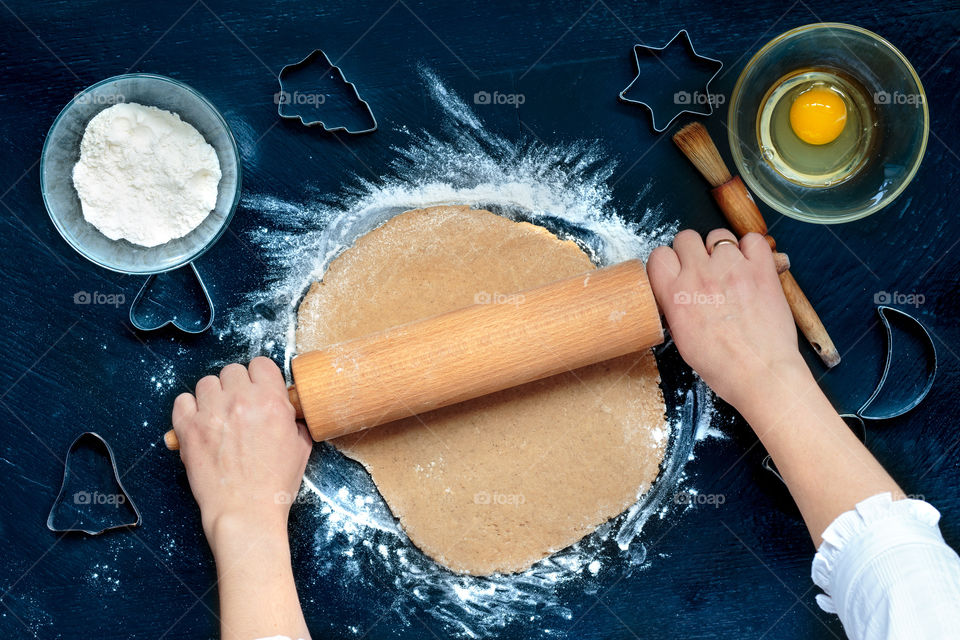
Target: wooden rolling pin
x: 474, y: 351
x: 743, y: 215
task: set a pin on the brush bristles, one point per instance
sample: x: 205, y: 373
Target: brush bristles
x: 697, y: 145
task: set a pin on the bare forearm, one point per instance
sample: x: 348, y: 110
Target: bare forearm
x: 258, y: 597
x: 744, y: 345
x: 825, y: 466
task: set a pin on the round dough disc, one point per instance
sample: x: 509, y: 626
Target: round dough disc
x: 494, y: 484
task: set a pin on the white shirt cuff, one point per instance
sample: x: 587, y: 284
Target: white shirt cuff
x: 885, y: 570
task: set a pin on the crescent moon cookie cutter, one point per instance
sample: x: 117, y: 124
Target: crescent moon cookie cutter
x: 666, y: 87
x: 309, y: 105
x: 899, y: 389
x: 89, y: 509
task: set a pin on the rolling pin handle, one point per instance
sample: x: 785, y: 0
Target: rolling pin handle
x: 295, y: 400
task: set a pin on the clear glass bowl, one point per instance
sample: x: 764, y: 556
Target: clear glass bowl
x: 901, y: 129
x: 61, y: 151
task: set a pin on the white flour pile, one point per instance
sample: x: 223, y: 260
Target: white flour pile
x: 145, y: 175
x: 357, y: 543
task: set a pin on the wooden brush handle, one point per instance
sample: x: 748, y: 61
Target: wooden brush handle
x: 743, y: 215
x: 474, y: 351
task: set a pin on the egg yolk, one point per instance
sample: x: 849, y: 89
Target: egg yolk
x: 818, y: 116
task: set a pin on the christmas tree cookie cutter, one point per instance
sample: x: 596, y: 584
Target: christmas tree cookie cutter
x: 308, y: 104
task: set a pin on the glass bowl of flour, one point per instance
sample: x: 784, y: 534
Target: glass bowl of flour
x: 135, y: 222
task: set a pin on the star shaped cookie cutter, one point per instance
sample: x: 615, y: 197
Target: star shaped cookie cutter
x: 661, y: 95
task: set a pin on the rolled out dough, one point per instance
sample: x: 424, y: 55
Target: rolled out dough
x: 494, y: 484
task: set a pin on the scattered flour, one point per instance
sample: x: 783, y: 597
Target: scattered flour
x: 145, y: 175
x: 104, y: 576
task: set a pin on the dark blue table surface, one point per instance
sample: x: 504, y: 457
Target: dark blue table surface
x: 737, y: 571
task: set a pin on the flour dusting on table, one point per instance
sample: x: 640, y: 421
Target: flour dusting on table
x: 356, y: 539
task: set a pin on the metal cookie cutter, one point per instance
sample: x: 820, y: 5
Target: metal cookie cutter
x: 85, y: 503
x: 903, y: 384
x: 667, y: 80
x: 307, y: 103
x: 143, y: 319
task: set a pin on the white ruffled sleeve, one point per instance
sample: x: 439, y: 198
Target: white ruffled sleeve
x: 887, y: 572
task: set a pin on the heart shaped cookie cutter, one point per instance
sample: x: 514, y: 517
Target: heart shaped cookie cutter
x: 140, y: 319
